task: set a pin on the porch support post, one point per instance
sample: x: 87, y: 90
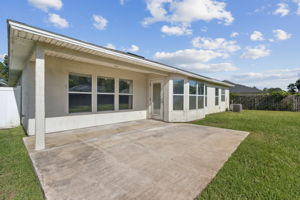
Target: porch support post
x: 39, y: 98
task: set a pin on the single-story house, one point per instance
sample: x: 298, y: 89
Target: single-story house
x: 243, y: 90
x: 70, y: 84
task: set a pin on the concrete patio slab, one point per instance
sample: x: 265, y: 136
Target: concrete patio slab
x: 144, y: 159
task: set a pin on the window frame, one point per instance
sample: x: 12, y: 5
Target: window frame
x: 197, y: 95
x: 193, y: 95
x: 177, y: 94
x: 217, y: 97
x: 223, y: 95
x: 106, y: 93
x: 78, y: 92
x: 205, y: 94
x: 125, y: 94
x: 200, y: 95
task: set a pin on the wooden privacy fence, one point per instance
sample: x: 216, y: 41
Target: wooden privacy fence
x: 268, y: 102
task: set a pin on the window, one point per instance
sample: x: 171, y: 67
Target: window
x: 105, y: 94
x: 205, y: 96
x: 193, y: 95
x: 196, y: 98
x: 80, y: 93
x: 200, y: 95
x: 178, y: 94
x: 125, y: 94
x: 223, y: 95
x: 216, y: 96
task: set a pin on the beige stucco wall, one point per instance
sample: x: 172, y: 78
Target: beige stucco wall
x: 56, y: 95
x: 57, y: 72
x: 56, y: 99
x: 211, y: 107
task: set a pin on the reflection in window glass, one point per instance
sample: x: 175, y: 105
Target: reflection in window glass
x: 200, y: 88
x: 193, y: 87
x: 125, y: 102
x: 200, y: 102
x: 222, y: 94
x: 125, y: 86
x: 80, y: 93
x: 80, y: 103
x: 178, y: 102
x: 105, y: 102
x: 105, y: 85
x: 178, y: 86
x: 178, y: 93
x: 79, y: 83
x: 193, y: 101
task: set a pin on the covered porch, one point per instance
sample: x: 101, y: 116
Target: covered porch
x: 70, y: 85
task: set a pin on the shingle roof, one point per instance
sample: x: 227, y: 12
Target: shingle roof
x: 238, y: 88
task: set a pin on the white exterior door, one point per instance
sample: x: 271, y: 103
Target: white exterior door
x: 156, y: 99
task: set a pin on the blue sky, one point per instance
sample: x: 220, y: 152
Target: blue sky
x: 250, y: 42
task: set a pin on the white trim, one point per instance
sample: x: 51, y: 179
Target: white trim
x: 74, y: 92
x: 152, y: 115
x: 22, y: 27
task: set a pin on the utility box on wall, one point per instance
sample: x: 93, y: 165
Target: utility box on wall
x: 10, y: 99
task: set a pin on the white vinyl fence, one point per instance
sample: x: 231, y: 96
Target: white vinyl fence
x: 9, y: 107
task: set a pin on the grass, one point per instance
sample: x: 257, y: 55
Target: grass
x: 17, y: 178
x: 267, y: 164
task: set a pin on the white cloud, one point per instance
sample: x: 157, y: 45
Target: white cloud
x: 58, y: 21
x: 219, y: 44
x: 45, y: 5
x: 188, y: 56
x: 111, y: 46
x: 122, y: 2
x: 283, y: 9
x: 2, y: 56
x: 176, y: 30
x: 186, y: 11
x: 270, y: 78
x: 100, y: 22
x: 281, y: 34
x: 257, y: 36
x: 133, y: 48
x: 256, y: 52
x: 218, y: 67
x: 297, y: 2
x: 234, y: 34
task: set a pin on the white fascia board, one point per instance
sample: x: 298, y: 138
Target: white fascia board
x: 61, y: 38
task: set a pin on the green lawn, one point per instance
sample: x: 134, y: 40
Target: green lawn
x: 17, y: 178
x: 265, y: 166
x: 267, y: 163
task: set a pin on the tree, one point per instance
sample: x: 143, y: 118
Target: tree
x: 292, y: 88
x: 297, y: 84
x: 4, y: 70
x: 274, y: 90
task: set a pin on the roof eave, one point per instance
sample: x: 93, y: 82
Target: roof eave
x: 34, y: 30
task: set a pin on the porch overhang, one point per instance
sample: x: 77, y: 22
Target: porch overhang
x: 23, y: 38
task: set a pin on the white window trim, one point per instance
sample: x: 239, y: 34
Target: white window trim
x: 74, y: 92
x: 193, y: 95
x: 205, y: 96
x: 217, y: 89
x: 183, y: 108
x: 201, y: 95
x: 125, y: 94
x: 106, y: 93
x: 223, y: 95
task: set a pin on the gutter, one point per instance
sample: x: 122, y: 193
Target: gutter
x: 62, y: 38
